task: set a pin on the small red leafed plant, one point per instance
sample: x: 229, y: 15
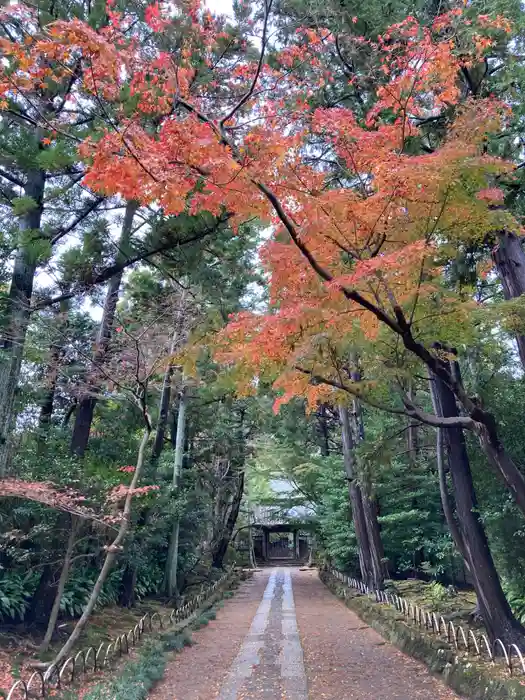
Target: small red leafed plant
x: 127, y: 470
x: 121, y: 491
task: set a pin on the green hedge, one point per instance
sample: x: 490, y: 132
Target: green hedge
x: 138, y: 676
x: 472, y: 679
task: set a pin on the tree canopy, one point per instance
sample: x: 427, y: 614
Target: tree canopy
x: 282, y: 244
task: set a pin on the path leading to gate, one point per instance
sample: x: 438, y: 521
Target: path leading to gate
x: 284, y: 636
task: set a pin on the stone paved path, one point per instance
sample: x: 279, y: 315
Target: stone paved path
x: 284, y: 636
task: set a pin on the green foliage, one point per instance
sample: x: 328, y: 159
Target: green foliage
x: 516, y: 598
x: 15, y: 595
x: 139, y: 676
x: 437, y: 592
x: 23, y: 205
x: 79, y: 587
x: 149, y: 580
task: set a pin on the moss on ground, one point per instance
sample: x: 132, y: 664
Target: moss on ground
x: 453, y: 604
x: 467, y: 676
x: 135, y: 677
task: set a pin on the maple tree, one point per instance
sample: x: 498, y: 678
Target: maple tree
x: 365, y: 216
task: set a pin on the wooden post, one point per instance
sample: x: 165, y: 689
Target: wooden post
x: 265, y: 544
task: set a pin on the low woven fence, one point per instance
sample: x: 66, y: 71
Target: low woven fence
x: 461, y: 637
x: 41, y: 684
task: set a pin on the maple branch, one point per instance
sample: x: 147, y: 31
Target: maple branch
x: 398, y: 325
x: 410, y: 410
x: 350, y: 294
x: 115, y: 127
x: 244, y: 99
x: 414, y: 411
x: 50, y: 495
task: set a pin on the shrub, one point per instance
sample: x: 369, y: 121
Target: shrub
x: 436, y: 593
x: 15, y: 595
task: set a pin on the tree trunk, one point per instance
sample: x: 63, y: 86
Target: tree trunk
x: 173, y: 550
x: 505, y: 466
x: 412, y: 437
x: 165, y: 397
x: 39, y: 609
x: 497, y: 615
x: 64, y: 575
x: 47, y: 401
x: 112, y: 550
x: 509, y: 259
x: 379, y: 568
x: 493, y: 448
x: 129, y: 581
x: 483, y: 423
x: 67, y: 416
x: 323, y: 431
x: 311, y: 550
x: 253, y: 563
x: 16, y: 316
x: 88, y: 401
x: 370, y: 505
x: 222, y: 545
x: 53, y: 366
x: 356, y: 499
x: 446, y: 500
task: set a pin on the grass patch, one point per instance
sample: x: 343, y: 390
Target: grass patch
x: 204, y: 619
x: 137, y: 677
x: 455, y: 605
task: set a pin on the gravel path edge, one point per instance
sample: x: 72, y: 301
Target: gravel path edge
x: 468, y: 677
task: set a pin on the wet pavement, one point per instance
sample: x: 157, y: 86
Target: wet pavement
x: 284, y: 636
x: 270, y: 662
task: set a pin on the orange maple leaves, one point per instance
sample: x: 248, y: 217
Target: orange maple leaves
x: 247, y: 140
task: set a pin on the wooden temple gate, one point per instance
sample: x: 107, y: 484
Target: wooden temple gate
x: 280, y: 544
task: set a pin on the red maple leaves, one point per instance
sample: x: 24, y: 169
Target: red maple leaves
x: 119, y: 493
x: 366, y: 231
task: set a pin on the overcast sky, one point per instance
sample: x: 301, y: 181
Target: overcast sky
x: 222, y: 7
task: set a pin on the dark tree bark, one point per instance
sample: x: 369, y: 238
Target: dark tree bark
x: 71, y: 409
x: 370, y: 504
x: 497, y: 615
x: 221, y: 546
x: 128, y: 583
x: 48, y: 399
x: 509, y: 259
x: 323, y: 431
x: 165, y: 396
x: 41, y: 603
x: 52, y: 372
x: 15, y: 316
x: 164, y: 407
x: 412, y: 435
x: 445, y: 496
x: 88, y: 401
x: 356, y: 500
x: 371, y: 510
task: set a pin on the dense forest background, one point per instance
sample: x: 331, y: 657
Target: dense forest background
x: 114, y: 398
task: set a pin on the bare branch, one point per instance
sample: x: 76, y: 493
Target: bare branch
x: 244, y: 99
